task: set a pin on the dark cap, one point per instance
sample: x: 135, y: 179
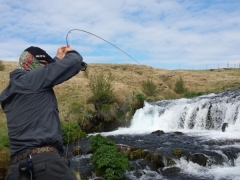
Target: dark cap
x: 39, y: 54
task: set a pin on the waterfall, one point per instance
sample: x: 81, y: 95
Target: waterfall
x: 207, y: 112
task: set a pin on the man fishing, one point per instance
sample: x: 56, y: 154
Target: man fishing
x: 31, y: 109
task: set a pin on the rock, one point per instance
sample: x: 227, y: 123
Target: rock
x: 137, y: 154
x: 88, y: 127
x: 145, y: 152
x: 158, y: 132
x: 169, y: 170
x: 77, y: 150
x: 177, y: 152
x: 157, y: 160
x: 148, y: 157
x: 168, y: 161
x: 198, y: 158
x: 178, y: 133
x: 124, y: 148
x: 224, y: 126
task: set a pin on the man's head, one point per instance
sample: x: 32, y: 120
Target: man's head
x: 34, y: 57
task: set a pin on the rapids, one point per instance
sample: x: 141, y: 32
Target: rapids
x: 200, y: 119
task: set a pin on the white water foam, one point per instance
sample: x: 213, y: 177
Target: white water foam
x: 214, y: 172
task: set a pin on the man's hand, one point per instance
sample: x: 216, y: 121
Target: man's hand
x: 61, y: 52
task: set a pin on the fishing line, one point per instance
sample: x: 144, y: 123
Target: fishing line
x: 101, y: 39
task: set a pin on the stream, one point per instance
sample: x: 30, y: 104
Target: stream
x: 193, y: 125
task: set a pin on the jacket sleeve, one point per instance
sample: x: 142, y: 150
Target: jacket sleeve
x: 56, y: 72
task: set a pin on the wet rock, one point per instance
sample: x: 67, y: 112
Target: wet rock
x: 137, y: 154
x: 198, y: 158
x: 124, y: 148
x: 77, y: 151
x: 169, y: 170
x: 224, y: 126
x: 157, y: 160
x: 178, y: 133
x: 168, y: 161
x: 158, y: 132
x: 145, y: 152
x: 141, y: 164
x: 177, y: 152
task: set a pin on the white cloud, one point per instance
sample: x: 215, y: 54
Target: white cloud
x: 153, y: 32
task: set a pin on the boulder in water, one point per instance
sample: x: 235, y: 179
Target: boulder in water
x: 177, y: 152
x: 178, y: 133
x: 198, y: 158
x: 157, y: 160
x: 137, y: 154
x: 124, y: 148
x: 224, y: 126
x: 77, y: 150
x: 169, y: 170
x: 158, y: 132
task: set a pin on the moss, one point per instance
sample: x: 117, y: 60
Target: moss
x: 177, y: 152
x: 136, y: 154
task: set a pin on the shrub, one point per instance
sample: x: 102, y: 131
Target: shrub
x: 2, y: 66
x: 76, y: 112
x: 138, y: 101
x: 107, y: 162
x: 179, y: 86
x: 71, y: 132
x: 149, y: 87
x: 102, y: 88
x: 98, y: 140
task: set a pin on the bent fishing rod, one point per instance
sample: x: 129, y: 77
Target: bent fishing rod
x: 101, y: 39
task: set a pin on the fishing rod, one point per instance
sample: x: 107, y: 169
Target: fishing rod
x: 101, y: 39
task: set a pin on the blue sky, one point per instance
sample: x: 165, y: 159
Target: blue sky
x: 171, y: 34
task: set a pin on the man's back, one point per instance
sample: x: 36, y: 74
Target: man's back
x: 31, y: 106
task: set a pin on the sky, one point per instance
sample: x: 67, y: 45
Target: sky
x: 169, y: 34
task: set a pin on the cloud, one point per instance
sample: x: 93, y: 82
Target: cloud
x: 154, y: 32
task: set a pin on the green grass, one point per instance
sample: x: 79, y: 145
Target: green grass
x: 4, y: 141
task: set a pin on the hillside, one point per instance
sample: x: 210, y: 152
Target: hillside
x: 129, y: 78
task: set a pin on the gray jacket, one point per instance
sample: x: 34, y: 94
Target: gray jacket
x: 31, y: 106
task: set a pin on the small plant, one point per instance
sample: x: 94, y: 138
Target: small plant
x: 138, y: 101
x: 179, y: 86
x: 2, y: 66
x: 107, y: 162
x: 102, y: 88
x: 71, y: 132
x: 149, y: 87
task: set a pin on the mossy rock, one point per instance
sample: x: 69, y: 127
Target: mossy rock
x: 177, y: 152
x: 137, y: 154
x: 157, y: 160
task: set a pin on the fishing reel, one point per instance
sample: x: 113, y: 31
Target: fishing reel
x: 83, y: 66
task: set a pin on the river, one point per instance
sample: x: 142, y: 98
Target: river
x: 199, y: 120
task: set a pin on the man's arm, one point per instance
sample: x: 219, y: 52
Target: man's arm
x: 68, y: 63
